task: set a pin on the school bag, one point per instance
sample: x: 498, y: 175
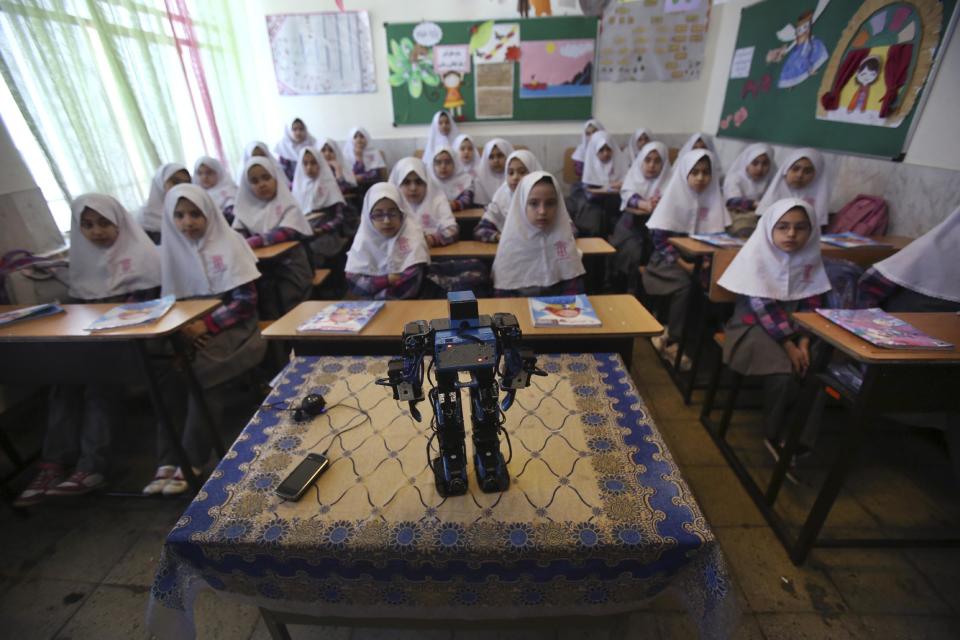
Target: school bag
x: 864, y: 215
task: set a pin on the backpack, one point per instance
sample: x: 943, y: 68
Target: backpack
x: 864, y: 215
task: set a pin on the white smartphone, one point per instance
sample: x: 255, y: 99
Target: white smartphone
x: 303, y: 475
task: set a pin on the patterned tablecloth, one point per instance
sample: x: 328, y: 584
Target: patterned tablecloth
x: 596, y: 521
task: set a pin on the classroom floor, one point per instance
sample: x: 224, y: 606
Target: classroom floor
x: 83, y: 569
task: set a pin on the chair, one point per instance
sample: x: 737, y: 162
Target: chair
x: 569, y: 173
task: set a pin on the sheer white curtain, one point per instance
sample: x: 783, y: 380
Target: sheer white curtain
x: 112, y: 89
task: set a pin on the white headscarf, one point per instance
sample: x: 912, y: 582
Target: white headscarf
x: 220, y: 261
x: 248, y: 153
x: 224, y: 193
x: 131, y: 264
x: 313, y: 194
x: 692, y: 140
x: 496, y: 211
x: 259, y: 217
x: 433, y: 213
x: 637, y: 183
x: 816, y: 194
x: 288, y: 147
x: 346, y: 167
x: 372, y: 254
x: 457, y: 183
x: 683, y: 210
x: 531, y: 257
x: 762, y: 270
x: 372, y: 158
x: 602, y: 174
x: 487, y: 182
x: 632, y: 146
x: 435, y: 139
x: 581, y: 151
x: 474, y: 165
x: 930, y: 264
x: 738, y: 183
x: 150, y: 214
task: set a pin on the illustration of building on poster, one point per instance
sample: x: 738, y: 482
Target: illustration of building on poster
x: 646, y: 41
x: 322, y: 53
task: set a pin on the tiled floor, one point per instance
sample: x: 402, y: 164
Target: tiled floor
x: 83, y: 569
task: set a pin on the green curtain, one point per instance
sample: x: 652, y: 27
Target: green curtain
x: 102, y: 86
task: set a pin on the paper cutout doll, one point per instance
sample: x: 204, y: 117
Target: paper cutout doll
x: 804, y: 53
x: 867, y: 75
x: 453, y: 102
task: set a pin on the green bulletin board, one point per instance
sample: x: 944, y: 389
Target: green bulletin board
x: 508, y: 69
x: 842, y: 75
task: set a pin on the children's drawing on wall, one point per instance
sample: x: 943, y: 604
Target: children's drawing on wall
x: 452, y: 64
x: 495, y: 49
x: 411, y: 65
x: 880, y: 63
x: 556, y: 69
x: 804, y: 53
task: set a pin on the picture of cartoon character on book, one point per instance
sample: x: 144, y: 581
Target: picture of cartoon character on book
x: 880, y: 63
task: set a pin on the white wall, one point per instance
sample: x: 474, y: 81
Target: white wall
x: 622, y: 107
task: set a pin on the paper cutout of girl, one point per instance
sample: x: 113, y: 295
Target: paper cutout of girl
x: 453, y: 102
x: 867, y: 74
x: 805, y: 53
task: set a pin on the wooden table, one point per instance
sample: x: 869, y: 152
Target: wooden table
x: 697, y: 252
x: 864, y: 256
x: 623, y: 319
x: 473, y: 214
x: 596, y: 510
x: 895, y: 380
x: 56, y: 349
x: 475, y: 249
x: 274, y: 250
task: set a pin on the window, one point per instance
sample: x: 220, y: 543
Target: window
x: 100, y: 93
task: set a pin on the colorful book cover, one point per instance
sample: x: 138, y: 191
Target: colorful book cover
x: 133, y: 314
x: 848, y: 240
x: 719, y: 239
x: 563, y: 311
x: 342, y: 317
x: 28, y: 313
x: 881, y: 329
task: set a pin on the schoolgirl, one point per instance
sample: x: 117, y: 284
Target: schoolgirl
x: 209, y: 173
x: 457, y: 185
x: 150, y: 214
x: 519, y: 163
x: 801, y: 176
x: 316, y: 191
x: 295, y: 139
x: 443, y: 132
x: 492, y: 170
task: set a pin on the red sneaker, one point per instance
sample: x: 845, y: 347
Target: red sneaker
x: 79, y: 483
x: 50, y: 474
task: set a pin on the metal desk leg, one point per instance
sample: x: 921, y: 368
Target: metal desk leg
x: 688, y: 320
x: 156, y: 397
x: 196, y: 391
x: 277, y: 629
x: 801, y: 410
x: 853, y: 438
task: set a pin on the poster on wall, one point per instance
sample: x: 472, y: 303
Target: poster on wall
x: 556, y: 69
x: 322, y: 53
x: 661, y: 40
x: 515, y: 69
x: 843, y: 75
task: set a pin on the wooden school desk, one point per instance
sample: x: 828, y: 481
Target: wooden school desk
x: 52, y: 349
x: 896, y: 380
x: 467, y: 220
x: 474, y: 249
x: 274, y: 250
x: 696, y: 251
x: 623, y: 319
